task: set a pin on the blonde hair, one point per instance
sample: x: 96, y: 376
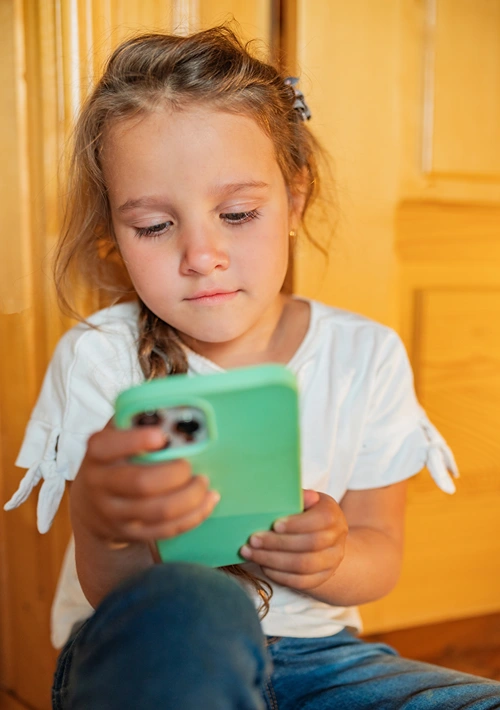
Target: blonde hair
x: 213, y: 68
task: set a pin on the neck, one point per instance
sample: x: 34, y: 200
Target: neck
x: 262, y: 343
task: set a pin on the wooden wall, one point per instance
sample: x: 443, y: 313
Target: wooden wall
x: 404, y: 95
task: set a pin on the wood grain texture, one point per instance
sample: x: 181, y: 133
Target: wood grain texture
x: 451, y: 326
x: 466, y: 134
x: 469, y: 645
x: 354, y: 116
x: 449, y: 127
x: 447, y: 233
x: 429, y: 268
x: 254, y: 18
x: 10, y: 702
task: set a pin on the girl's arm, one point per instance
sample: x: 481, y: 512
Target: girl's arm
x: 118, y: 507
x: 100, y: 565
x: 374, y: 547
x: 344, y: 554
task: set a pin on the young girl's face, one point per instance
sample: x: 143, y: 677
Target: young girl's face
x: 201, y: 215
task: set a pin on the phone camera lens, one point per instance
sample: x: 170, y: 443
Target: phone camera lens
x: 147, y: 419
x: 188, y: 427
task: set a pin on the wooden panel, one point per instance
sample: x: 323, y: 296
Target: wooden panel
x: 7, y: 124
x: 457, y: 362
x: 452, y: 566
x: 373, y: 126
x: 448, y: 100
x: 447, y: 233
x: 466, y: 89
x: 14, y: 286
x: 26, y: 615
x: 254, y: 17
x: 355, y: 116
x: 5, y: 623
x: 108, y: 23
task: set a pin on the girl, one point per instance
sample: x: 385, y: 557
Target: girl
x: 192, y: 171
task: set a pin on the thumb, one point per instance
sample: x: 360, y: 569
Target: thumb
x: 310, y: 498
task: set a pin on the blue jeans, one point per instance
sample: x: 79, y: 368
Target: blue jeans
x: 187, y: 637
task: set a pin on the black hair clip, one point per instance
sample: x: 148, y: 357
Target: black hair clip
x: 300, y: 102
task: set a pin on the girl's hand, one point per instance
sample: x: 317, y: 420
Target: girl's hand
x: 303, y: 550
x: 122, y: 502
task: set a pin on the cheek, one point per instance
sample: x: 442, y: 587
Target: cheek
x: 271, y: 250
x: 146, y: 268
x: 265, y: 262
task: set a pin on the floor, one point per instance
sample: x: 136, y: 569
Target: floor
x: 468, y: 645
x: 7, y: 702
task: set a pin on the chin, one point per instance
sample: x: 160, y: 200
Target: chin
x: 215, y: 334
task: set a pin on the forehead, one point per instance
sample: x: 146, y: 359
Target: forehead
x: 190, y: 148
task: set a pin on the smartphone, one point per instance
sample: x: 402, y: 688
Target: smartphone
x: 241, y: 429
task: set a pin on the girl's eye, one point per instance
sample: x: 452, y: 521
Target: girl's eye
x: 239, y: 217
x: 154, y: 231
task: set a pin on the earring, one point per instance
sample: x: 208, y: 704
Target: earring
x: 292, y: 234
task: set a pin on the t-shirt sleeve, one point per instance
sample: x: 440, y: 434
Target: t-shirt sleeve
x: 76, y: 399
x: 398, y: 439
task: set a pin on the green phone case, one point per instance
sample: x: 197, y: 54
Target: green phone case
x: 251, y: 456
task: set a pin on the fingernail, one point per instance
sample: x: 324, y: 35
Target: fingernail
x: 256, y: 540
x: 280, y: 525
x: 215, y: 495
x: 245, y: 551
x: 158, y: 438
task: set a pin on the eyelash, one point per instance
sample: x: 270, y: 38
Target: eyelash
x: 156, y: 230
x: 242, y: 217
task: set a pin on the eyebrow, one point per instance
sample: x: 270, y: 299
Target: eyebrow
x: 226, y: 189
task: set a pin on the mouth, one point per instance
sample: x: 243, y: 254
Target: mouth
x: 213, y: 296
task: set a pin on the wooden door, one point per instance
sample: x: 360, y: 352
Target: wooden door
x: 405, y: 95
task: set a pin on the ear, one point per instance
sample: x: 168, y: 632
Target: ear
x: 297, y: 195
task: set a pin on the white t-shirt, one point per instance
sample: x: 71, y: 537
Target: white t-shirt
x: 361, y: 427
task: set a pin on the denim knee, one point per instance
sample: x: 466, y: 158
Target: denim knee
x: 176, y: 631
x: 178, y: 593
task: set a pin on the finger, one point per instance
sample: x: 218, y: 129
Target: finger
x: 161, y: 509
x: 310, y: 498
x: 138, y: 531
x: 297, y: 581
x: 138, y: 481
x: 307, y: 542
x: 113, y: 444
x: 294, y: 562
x: 326, y: 513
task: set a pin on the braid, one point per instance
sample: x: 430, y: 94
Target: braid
x: 159, y: 348
x: 263, y: 588
x: 161, y: 354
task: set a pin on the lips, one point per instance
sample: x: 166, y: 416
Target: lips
x: 209, y: 293
x: 213, y: 296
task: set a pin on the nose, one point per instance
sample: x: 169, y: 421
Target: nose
x: 203, y: 251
